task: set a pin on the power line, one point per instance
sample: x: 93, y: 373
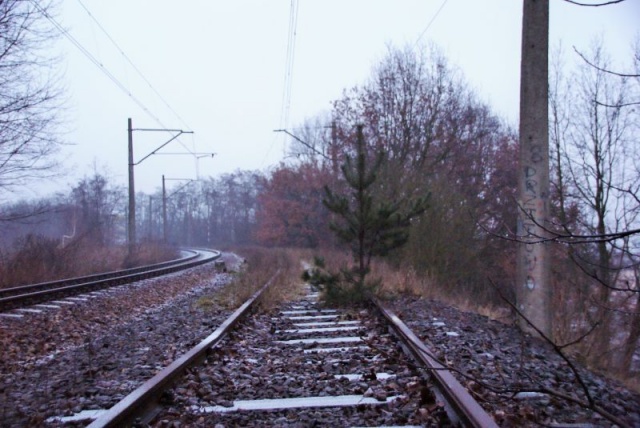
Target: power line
x: 124, y: 55
x: 289, y: 61
x: 288, y: 72
x: 101, y: 67
x: 431, y: 22
x: 96, y: 62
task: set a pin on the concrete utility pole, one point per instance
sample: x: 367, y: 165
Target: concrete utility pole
x: 165, y: 231
x: 532, y: 287
x: 131, y: 229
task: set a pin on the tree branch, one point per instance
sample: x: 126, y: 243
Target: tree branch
x: 607, y: 3
x: 556, y: 348
x: 604, y: 70
x: 617, y: 105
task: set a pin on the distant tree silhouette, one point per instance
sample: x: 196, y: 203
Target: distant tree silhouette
x: 290, y: 210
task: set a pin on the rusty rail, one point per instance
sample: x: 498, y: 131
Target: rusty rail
x: 140, y: 405
x: 463, y: 404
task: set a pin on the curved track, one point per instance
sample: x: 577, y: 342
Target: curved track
x: 16, y: 297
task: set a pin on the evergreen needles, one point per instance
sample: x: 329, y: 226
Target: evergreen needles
x: 371, y: 227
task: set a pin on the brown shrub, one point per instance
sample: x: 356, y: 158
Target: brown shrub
x: 39, y: 259
x: 261, y: 265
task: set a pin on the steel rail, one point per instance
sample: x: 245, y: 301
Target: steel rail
x: 463, y: 404
x: 140, y: 405
x: 36, y: 293
x: 5, y: 292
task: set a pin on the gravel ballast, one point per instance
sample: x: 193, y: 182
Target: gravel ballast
x: 500, y: 355
x: 264, y: 358
x: 91, y: 354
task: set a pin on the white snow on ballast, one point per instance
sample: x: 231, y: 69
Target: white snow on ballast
x: 312, y: 317
x: 339, y: 349
x: 325, y: 323
x: 309, y: 311
x: 82, y: 416
x: 354, y: 377
x: 298, y: 402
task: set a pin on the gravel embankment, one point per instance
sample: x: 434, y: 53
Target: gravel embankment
x: 500, y: 355
x: 91, y: 354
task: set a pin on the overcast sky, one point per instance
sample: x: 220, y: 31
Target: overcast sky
x: 220, y: 66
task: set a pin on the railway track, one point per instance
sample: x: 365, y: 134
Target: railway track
x: 34, y: 294
x: 137, y: 353
x: 303, y: 365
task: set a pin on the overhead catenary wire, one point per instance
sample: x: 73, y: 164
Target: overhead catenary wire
x: 289, y: 63
x: 287, y: 87
x: 95, y: 61
x: 431, y: 22
x: 137, y: 70
x: 102, y: 67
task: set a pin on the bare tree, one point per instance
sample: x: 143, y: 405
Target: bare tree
x: 225, y: 208
x: 29, y: 93
x: 96, y: 202
x: 437, y: 137
x: 313, y: 142
x: 597, y: 183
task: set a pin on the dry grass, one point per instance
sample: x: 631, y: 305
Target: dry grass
x: 39, y: 259
x: 407, y: 282
x: 395, y: 281
x: 262, y: 264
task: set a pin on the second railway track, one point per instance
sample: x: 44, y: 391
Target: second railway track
x: 94, y: 351
x: 18, y: 297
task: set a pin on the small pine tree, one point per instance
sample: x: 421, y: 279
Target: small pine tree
x: 370, y: 228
